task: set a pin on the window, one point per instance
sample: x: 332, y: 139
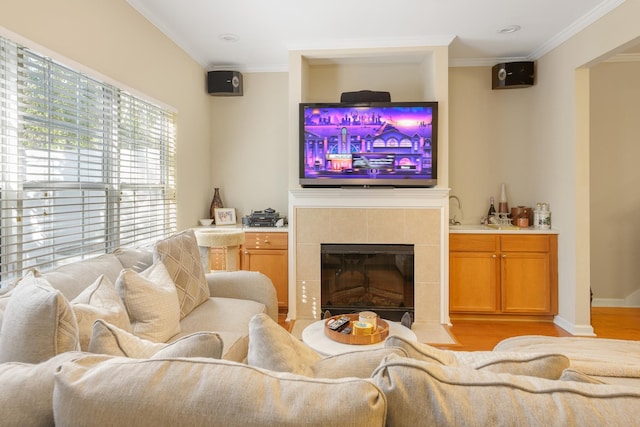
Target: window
x: 86, y: 167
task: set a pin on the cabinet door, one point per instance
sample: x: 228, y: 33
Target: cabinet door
x: 526, y: 283
x: 273, y: 263
x: 473, y: 282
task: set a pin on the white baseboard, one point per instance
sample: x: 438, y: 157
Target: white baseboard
x: 573, y: 329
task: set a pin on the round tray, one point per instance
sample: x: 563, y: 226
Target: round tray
x: 380, y: 333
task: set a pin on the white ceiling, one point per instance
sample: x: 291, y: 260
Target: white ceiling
x: 268, y: 29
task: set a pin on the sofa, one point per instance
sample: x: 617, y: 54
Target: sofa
x: 246, y: 370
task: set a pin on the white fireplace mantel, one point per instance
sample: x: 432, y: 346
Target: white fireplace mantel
x: 384, y: 215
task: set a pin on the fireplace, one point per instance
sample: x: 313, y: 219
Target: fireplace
x: 375, y: 277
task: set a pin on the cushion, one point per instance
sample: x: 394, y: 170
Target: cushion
x: 181, y: 256
x: 153, y: 392
x: 99, y: 301
x: 151, y: 301
x: 543, y: 365
x: 27, y: 391
x: 272, y: 347
x: 428, y: 394
x: 111, y: 340
x: 38, y: 323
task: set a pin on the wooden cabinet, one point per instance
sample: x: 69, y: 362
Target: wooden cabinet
x: 503, y: 276
x: 267, y: 253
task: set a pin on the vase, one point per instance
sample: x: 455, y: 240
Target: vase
x: 215, y: 203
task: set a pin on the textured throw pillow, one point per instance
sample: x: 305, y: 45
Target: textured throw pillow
x: 27, y: 391
x: 272, y: 347
x: 100, y: 300
x: 541, y: 365
x: 151, y: 301
x: 38, y: 323
x: 111, y: 340
x: 181, y: 256
x: 207, y: 392
x: 428, y: 394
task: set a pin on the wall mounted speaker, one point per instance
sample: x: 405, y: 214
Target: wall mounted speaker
x: 510, y: 75
x: 365, y: 96
x: 224, y: 83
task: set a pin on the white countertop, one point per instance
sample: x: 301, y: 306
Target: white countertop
x: 248, y: 229
x: 484, y: 229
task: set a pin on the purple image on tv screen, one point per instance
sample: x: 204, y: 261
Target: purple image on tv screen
x: 391, y: 143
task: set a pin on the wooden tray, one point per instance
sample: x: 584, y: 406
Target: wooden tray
x: 380, y: 333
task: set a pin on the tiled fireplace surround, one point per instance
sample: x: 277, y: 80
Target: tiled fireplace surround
x: 415, y: 216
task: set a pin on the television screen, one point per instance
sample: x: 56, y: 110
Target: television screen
x: 372, y: 144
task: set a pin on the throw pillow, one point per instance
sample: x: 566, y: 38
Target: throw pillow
x: 428, y: 394
x: 27, y: 391
x: 543, y: 365
x: 181, y: 255
x: 38, y: 323
x: 272, y: 347
x: 111, y: 340
x: 199, y: 392
x: 100, y: 300
x: 151, y: 301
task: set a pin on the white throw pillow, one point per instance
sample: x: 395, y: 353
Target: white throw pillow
x: 543, y: 365
x: 272, y: 347
x: 151, y: 301
x: 111, y: 340
x: 181, y: 255
x: 38, y: 323
x: 100, y: 300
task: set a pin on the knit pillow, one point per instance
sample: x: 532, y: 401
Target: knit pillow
x: 38, y: 323
x: 543, y: 365
x: 151, y: 301
x: 111, y: 340
x: 100, y: 300
x: 181, y: 257
x: 272, y: 347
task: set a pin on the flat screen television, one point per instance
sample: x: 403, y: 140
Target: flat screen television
x: 391, y: 144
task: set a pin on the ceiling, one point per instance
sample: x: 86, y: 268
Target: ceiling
x: 256, y: 35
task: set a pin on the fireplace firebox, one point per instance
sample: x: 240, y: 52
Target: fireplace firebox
x: 375, y: 277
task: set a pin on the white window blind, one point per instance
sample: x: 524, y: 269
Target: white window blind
x: 85, y: 167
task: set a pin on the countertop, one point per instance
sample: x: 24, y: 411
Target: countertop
x: 484, y: 229
x: 241, y: 227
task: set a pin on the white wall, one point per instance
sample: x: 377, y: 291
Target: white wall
x: 110, y: 39
x: 615, y: 175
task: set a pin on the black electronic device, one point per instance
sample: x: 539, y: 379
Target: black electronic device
x: 266, y: 218
x: 365, y: 96
x: 339, y: 324
x: 224, y: 83
x: 511, y: 75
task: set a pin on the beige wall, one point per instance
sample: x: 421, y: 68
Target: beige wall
x: 559, y: 104
x: 250, y: 142
x: 615, y: 175
x: 109, y: 38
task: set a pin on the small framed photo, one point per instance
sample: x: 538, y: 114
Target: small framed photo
x: 225, y: 216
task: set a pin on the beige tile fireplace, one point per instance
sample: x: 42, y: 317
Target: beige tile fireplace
x: 339, y: 215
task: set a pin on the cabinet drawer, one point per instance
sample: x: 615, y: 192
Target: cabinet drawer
x: 473, y: 242
x: 528, y: 243
x: 265, y: 240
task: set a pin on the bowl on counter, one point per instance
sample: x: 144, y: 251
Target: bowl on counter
x: 206, y: 221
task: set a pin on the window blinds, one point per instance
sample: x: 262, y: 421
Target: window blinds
x: 85, y: 167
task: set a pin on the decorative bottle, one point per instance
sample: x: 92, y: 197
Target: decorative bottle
x: 492, y: 211
x: 503, y: 205
x: 215, y: 203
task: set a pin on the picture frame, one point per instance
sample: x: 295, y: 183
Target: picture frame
x: 225, y: 216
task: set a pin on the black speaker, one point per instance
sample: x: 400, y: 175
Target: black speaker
x: 224, y: 83
x: 510, y: 75
x: 365, y: 96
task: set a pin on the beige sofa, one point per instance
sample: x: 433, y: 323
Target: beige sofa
x: 221, y: 302
x: 272, y: 379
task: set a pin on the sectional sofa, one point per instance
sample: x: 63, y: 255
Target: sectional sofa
x: 147, y: 339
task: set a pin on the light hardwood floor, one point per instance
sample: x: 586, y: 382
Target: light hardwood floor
x: 618, y: 323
